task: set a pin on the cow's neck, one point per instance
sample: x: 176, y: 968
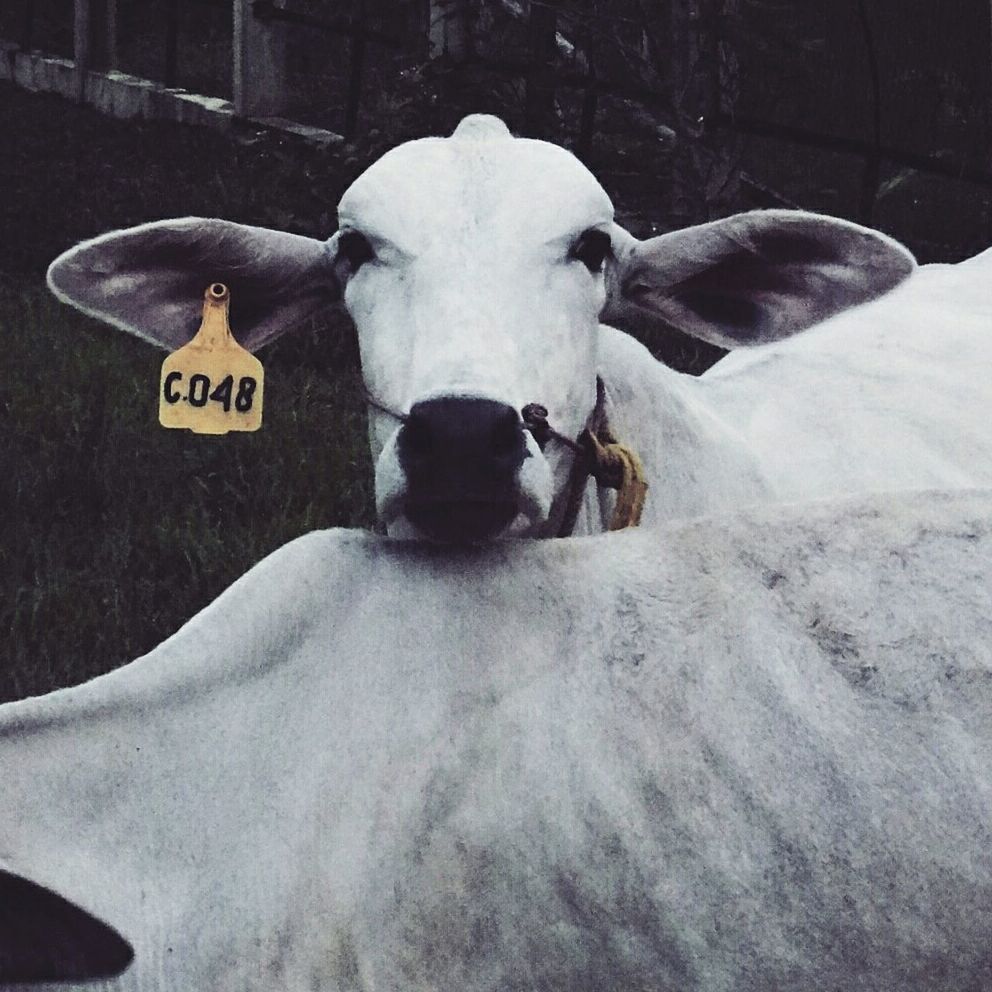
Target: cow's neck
x: 696, y: 463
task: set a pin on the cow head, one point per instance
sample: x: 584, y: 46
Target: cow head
x: 476, y: 269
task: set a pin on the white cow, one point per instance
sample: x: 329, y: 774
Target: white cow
x: 476, y: 269
x: 725, y: 756
x: 745, y: 754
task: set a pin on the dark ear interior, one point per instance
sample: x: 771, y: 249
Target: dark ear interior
x: 45, y: 938
x: 149, y: 280
x: 752, y: 278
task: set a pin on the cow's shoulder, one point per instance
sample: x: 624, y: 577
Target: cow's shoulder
x: 241, y: 635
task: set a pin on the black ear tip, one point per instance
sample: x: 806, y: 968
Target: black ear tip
x: 46, y: 938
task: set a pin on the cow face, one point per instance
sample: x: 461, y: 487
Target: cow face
x: 474, y: 270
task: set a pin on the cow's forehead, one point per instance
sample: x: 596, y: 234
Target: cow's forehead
x: 479, y: 180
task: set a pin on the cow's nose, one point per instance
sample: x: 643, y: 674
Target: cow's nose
x: 461, y: 456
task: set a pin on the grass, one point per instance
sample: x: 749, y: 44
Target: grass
x: 115, y: 531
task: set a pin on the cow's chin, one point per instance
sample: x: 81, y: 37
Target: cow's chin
x: 460, y: 522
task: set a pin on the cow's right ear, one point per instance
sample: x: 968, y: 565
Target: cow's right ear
x: 752, y: 278
x: 149, y: 280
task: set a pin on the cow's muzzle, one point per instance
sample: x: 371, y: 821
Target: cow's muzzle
x: 461, y: 457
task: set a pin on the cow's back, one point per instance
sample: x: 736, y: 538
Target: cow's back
x: 742, y: 755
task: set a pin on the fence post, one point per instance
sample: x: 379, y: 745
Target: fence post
x: 590, y: 104
x: 260, y: 78
x: 110, y: 34
x: 871, y: 176
x: 27, y: 26
x: 171, y: 74
x: 355, y: 73
x: 539, y: 101
x: 703, y: 84
x: 81, y: 46
x: 450, y: 29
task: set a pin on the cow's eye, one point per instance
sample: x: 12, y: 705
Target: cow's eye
x: 591, y: 249
x: 354, y: 249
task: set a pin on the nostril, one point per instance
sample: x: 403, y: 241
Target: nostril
x: 506, y: 434
x: 417, y: 434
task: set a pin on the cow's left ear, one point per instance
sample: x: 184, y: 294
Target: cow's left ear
x: 149, y: 280
x: 751, y: 278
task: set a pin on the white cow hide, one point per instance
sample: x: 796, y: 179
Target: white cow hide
x: 742, y: 755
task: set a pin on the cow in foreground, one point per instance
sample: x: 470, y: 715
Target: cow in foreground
x: 718, y: 756
x: 477, y: 269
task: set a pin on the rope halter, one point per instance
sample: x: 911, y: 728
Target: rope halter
x: 600, y: 455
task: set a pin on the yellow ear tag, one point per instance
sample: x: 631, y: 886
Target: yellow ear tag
x: 212, y: 385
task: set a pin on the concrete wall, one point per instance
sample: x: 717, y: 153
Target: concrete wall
x: 259, y: 77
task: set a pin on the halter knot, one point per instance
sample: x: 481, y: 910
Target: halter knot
x: 598, y: 454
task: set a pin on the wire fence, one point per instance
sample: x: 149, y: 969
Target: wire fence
x: 868, y: 105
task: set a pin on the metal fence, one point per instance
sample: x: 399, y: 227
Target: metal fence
x: 215, y: 61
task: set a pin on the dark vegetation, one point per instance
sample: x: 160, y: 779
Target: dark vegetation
x: 114, y: 531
